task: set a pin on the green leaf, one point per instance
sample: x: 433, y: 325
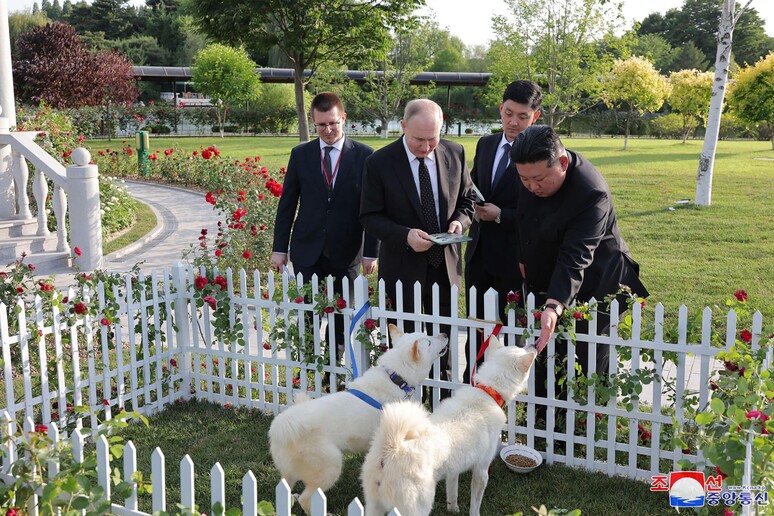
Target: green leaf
x: 80, y: 503
x: 705, y: 418
x: 717, y: 406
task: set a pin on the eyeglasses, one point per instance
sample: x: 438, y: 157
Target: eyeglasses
x: 331, y: 126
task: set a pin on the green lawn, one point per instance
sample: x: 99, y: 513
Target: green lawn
x: 238, y: 440
x: 693, y: 256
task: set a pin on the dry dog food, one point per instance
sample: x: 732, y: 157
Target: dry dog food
x: 521, y: 461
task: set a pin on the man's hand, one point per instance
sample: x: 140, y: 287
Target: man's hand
x: 278, y: 260
x: 455, y: 227
x: 369, y: 266
x: 487, y: 211
x: 547, y: 325
x: 419, y: 241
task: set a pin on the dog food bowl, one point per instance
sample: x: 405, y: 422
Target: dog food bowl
x: 520, y: 458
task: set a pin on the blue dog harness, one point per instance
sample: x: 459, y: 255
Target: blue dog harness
x: 395, y: 378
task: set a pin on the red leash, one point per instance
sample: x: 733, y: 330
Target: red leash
x: 482, y: 350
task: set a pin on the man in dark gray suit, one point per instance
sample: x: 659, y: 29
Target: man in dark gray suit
x: 570, y: 245
x: 492, y: 257
x: 323, y: 181
x: 413, y: 187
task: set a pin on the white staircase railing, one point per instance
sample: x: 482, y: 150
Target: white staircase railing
x: 79, y: 182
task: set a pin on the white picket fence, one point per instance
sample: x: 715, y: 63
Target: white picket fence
x: 64, y: 362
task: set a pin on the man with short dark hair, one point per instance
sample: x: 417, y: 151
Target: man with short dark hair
x: 413, y: 187
x: 323, y: 182
x: 491, y: 258
x: 571, y: 247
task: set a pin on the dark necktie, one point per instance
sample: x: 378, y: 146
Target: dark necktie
x: 435, y: 253
x: 328, y: 167
x: 501, y: 165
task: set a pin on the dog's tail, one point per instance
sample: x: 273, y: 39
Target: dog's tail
x: 396, y: 470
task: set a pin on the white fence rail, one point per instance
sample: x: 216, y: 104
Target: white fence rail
x: 163, y: 343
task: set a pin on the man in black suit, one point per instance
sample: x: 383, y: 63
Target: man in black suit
x: 491, y: 258
x: 325, y: 175
x: 413, y: 187
x: 571, y: 248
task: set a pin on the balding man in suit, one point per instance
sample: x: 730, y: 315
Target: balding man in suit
x: 416, y: 186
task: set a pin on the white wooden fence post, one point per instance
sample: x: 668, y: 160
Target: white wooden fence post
x: 182, y: 343
x: 103, y: 465
x: 85, y: 219
x: 158, y: 477
x: 187, y: 490
x: 249, y: 494
x: 282, y: 498
x: 218, y: 486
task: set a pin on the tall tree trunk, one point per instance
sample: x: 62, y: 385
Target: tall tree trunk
x: 722, y: 60
x: 384, y: 129
x: 298, y: 83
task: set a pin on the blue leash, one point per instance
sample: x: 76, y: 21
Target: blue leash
x: 359, y: 315
x: 365, y: 397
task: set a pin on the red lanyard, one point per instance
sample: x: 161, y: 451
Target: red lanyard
x: 330, y: 178
x: 481, y: 351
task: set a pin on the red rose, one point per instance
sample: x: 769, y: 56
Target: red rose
x: 79, y: 308
x: 756, y: 414
x: 329, y: 310
x: 341, y: 304
x: 246, y: 255
x: 206, y: 154
x: 513, y: 297
x: 731, y: 366
x: 299, y: 299
x: 65, y: 299
x: 265, y: 295
x: 77, y: 250
x: 537, y: 315
x: 221, y: 282
x: 104, y: 321
x: 173, y: 362
x: 31, y: 267
x: 577, y: 315
x: 211, y: 301
x: 370, y: 324
x: 218, y: 253
x: 41, y: 429
x: 200, y: 282
x: 267, y: 346
x: 740, y: 295
x: 296, y: 381
x: 19, y: 289
x: 106, y: 403
x: 745, y: 335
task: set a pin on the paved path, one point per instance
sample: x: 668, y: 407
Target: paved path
x: 180, y: 214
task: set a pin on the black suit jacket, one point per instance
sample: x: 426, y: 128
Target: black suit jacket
x: 497, y: 244
x: 320, y: 223
x: 570, y: 242
x: 391, y: 206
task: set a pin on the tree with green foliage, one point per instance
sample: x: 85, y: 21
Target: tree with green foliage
x: 115, y: 18
x: 690, y: 95
x: 697, y: 22
x: 308, y: 32
x: 752, y: 94
x: 655, y: 49
x: 636, y: 86
x: 688, y: 57
x: 552, y: 43
x: 227, y: 75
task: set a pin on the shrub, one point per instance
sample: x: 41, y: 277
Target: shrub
x: 157, y: 129
x: 226, y: 129
x: 669, y: 126
x: 468, y: 130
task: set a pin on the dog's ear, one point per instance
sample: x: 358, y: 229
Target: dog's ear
x: 524, y: 362
x: 494, y: 344
x: 416, y: 353
x: 395, y: 333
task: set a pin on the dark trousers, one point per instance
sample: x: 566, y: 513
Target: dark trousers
x: 477, y: 276
x: 434, y: 275
x: 323, y: 268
